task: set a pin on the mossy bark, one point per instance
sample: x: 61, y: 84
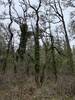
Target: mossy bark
x: 23, y: 40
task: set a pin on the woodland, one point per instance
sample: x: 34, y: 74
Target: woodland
x: 37, y: 50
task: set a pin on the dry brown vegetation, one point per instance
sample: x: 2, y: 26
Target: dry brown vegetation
x: 21, y: 87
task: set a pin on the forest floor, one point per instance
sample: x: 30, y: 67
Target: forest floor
x: 21, y: 87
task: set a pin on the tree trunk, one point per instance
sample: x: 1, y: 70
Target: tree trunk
x: 53, y: 58
x: 37, y: 59
x: 69, y: 52
x: 23, y: 40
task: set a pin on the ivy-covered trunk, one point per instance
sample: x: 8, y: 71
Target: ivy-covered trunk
x: 37, y: 52
x: 37, y: 59
x: 37, y: 47
x: 23, y: 40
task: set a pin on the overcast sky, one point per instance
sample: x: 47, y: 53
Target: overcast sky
x: 66, y: 13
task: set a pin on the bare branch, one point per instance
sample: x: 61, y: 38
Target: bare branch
x: 9, y: 26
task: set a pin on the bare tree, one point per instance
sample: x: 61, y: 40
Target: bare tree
x: 11, y: 35
x: 59, y: 14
